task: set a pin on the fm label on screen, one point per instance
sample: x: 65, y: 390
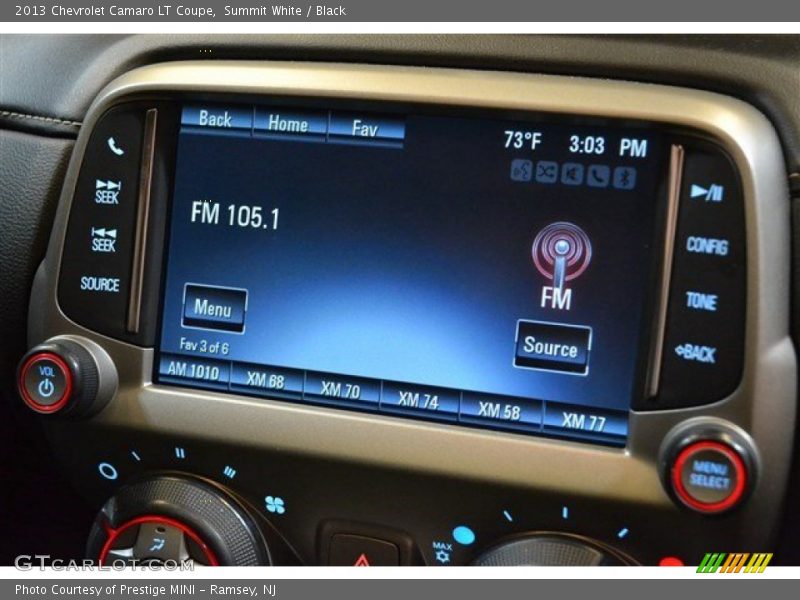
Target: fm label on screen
x: 208, y: 212
x: 561, y: 252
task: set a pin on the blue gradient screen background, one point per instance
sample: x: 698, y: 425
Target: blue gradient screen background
x: 414, y: 264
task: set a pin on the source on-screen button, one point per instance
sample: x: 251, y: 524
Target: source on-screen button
x: 553, y: 347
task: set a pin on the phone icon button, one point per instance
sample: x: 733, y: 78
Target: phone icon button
x: 112, y: 145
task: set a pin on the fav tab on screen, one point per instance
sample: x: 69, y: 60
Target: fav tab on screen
x: 218, y: 118
x: 212, y: 307
x: 553, y: 347
x: 366, y: 128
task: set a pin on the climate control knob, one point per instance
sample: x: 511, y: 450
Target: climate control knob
x: 175, y: 519
x: 66, y: 376
x: 552, y: 550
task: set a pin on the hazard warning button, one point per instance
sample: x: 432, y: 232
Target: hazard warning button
x: 347, y: 550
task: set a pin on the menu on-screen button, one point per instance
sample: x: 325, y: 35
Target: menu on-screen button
x: 213, y: 307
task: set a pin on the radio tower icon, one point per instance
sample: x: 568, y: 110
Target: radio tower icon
x: 561, y: 252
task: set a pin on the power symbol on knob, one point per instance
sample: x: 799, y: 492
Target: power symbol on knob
x: 46, y: 388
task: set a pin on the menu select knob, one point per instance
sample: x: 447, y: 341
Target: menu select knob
x: 709, y: 468
x: 66, y: 376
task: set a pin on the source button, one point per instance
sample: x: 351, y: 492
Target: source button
x: 553, y: 347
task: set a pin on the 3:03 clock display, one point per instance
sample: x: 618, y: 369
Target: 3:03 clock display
x: 587, y: 144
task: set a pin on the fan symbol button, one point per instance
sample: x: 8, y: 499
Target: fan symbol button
x: 275, y: 505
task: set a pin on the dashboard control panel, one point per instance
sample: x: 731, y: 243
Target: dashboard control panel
x: 393, y: 288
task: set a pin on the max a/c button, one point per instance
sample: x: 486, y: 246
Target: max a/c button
x: 553, y: 347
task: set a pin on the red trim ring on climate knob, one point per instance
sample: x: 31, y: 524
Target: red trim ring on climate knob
x: 30, y: 397
x: 715, y: 465
x: 114, y: 534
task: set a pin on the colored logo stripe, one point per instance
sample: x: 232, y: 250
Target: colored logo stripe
x: 734, y: 563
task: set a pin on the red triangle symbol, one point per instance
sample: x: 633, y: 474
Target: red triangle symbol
x: 362, y: 561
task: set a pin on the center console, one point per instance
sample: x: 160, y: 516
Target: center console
x: 378, y: 315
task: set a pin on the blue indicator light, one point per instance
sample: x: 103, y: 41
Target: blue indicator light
x: 508, y: 516
x: 463, y: 535
x: 107, y: 471
x: 275, y: 505
x: 565, y: 513
x: 623, y: 533
x: 135, y: 456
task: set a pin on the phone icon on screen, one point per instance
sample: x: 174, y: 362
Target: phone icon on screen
x: 112, y: 145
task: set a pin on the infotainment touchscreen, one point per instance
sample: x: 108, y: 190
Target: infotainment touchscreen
x: 488, y: 270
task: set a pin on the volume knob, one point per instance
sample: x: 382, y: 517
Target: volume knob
x: 66, y: 376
